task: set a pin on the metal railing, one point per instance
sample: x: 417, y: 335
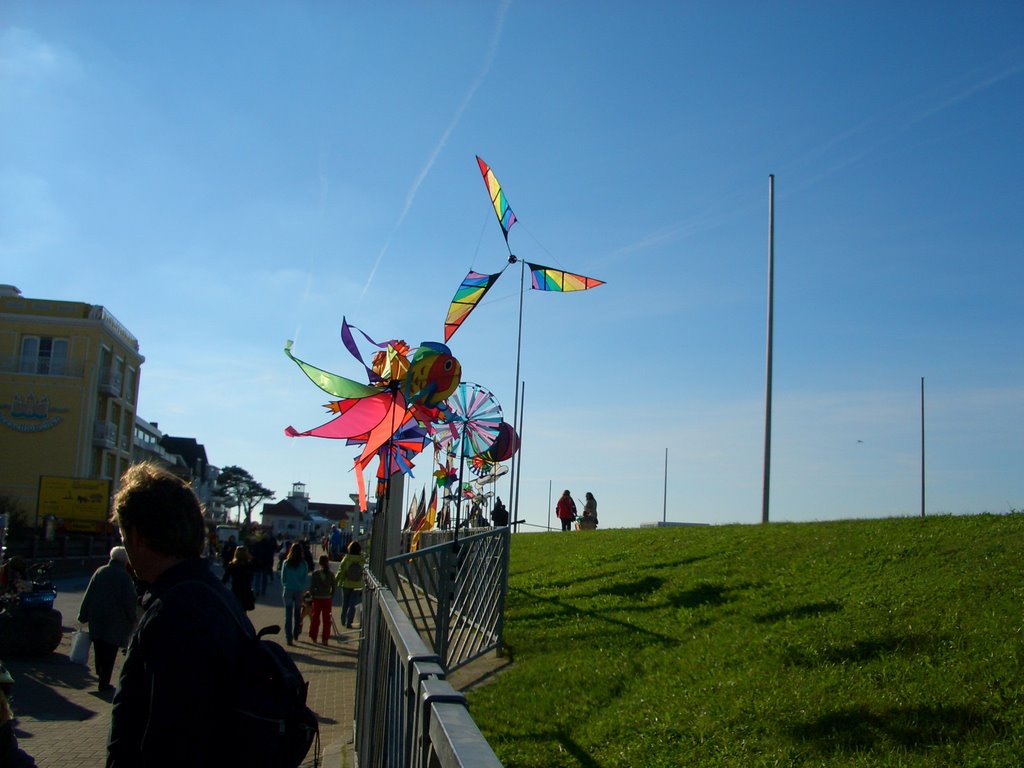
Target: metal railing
x: 407, y: 713
x: 454, y: 594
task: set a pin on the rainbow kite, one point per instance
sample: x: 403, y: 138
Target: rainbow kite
x: 476, y: 284
x: 467, y: 296
x: 505, y: 216
x: 548, y: 279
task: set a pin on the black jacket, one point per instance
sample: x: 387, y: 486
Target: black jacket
x: 182, y: 664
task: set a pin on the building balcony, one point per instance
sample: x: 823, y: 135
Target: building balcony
x: 104, y: 434
x: 110, y: 383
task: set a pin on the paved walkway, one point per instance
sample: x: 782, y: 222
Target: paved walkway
x: 63, y: 722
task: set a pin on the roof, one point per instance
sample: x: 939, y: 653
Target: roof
x: 333, y: 512
x: 188, y: 448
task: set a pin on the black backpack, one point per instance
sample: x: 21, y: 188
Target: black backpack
x: 270, y: 725
x: 354, y: 572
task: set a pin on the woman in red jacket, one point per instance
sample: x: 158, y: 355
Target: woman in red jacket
x: 566, y: 510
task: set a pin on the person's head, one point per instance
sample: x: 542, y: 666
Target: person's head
x: 295, y: 554
x: 590, y: 496
x: 353, y: 548
x: 241, y: 556
x: 566, y: 493
x: 497, y: 500
x: 325, y: 563
x: 119, y: 555
x: 161, y: 509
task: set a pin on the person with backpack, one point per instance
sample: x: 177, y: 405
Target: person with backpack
x: 321, y: 591
x: 294, y: 573
x: 350, y: 579
x: 184, y: 658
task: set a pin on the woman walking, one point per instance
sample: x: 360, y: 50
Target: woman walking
x: 293, y: 584
x: 565, y: 510
x: 321, y: 589
x: 110, y: 607
x: 350, y: 579
x: 239, y: 572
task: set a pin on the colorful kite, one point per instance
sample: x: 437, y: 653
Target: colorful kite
x: 475, y: 285
x: 392, y: 416
x: 466, y: 298
x: 549, y: 279
x: 505, y: 216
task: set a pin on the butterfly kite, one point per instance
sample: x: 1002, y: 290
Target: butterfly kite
x: 394, y: 414
x: 476, y: 284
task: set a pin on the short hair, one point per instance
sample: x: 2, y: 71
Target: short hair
x: 162, y: 509
x: 120, y: 554
x: 354, y: 548
x: 324, y: 560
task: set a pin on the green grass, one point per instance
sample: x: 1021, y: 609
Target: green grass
x: 855, y: 643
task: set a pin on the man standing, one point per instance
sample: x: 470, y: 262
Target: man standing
x: 182, y: 664
x: 109, y: 606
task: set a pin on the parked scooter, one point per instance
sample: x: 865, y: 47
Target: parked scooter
x: 29, y: 625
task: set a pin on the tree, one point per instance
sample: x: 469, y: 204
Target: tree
x: 242, y: 490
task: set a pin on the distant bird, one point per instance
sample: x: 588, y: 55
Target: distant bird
x: 860, y: 441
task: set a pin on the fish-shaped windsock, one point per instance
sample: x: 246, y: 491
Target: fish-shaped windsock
x: 433, y: 375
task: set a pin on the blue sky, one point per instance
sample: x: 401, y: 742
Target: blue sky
x: 227, y: 176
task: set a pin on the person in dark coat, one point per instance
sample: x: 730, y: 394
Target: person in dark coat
x: 263, y: 550
x: 239, y: 573
x: 227, y: 552
x: 185, y: 655
x: 109, y: 607
x: 499, y: 514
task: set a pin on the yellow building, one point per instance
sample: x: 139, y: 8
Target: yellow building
x: 69, y: 383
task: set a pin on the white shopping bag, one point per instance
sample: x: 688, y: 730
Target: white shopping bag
x: 80, y: 647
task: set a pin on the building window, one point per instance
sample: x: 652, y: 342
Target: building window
x: 43, y: 355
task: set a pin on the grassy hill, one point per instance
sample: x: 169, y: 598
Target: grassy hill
x: 856, y: 643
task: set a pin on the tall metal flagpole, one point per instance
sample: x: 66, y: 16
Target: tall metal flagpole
x: 922, y: 446
x: 768, y: 372
x: 664, y: 504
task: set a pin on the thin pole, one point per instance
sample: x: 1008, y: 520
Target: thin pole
x: 519, y: 477
x: 768, y: 371
x: 922, y: 446
x: 664, y: 505
x: 513, y: 504
x: 549, y: 505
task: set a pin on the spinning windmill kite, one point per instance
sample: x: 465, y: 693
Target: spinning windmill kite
x: 476, y: 284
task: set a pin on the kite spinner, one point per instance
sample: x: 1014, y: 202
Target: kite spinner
x: 396, y: 414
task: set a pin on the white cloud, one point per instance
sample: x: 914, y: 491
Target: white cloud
x: 27, y: 58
